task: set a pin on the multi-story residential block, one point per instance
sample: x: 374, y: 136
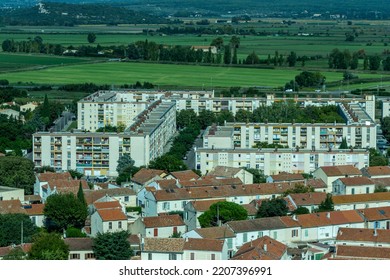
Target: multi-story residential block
x: 274, y: 161
x: 97, y: 153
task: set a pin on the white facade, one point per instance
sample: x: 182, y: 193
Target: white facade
x: 100, y: 226
x: 273, y: 161
x: 7, y: 193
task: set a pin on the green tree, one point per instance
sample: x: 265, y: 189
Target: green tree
x: 186, y: 118
x: 75, y: 174
x: 252, y: 58
x: 63, y: 211
x: 80, y: 194
x: 377, y: 159
x: 243, y: 116
x: 227, y: 56
x: 299, y: 188
x: 223, y: 116
x: 11, y: 229
x: 258, y: 175
x: 273, y: 207
x: 309, y: 79
x: 380, y: 189
x: 48, y: 246
x: 218, y: 43
x: 300, y: 211
x: 17, y: 172
x: 91, y: 38
x: 112, y: 246
x: 327, y: 204
x: 124, y: 162
x: 374, y: 62
x: 222, y: 212
x: 234, y: 44
x: 386, y: 64
x: 344, y: 144
x: 72, y: 232
x: 168, y: 162
x: 16, y: 254
x: 292, y: 59
x: 206, y: 118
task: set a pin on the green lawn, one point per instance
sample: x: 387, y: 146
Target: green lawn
x: 118, y: 73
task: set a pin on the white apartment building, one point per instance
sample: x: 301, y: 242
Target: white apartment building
x: 274, y: 161
x: 302, y: 135
x: 97, y: 153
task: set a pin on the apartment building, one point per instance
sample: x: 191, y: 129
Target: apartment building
x: 97, y: 153
x: 275, y: 161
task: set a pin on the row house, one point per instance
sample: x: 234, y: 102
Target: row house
x: 108, y: 217
x: 161, y: 226
x: 344, y: 252
x: 330, y: 173
x: 376, y: 218
x: 363, y: 237
x: 263, y: 248
x: 361, y: 201
x: 353, y: 185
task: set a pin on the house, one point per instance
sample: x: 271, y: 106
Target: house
x: 11, y: 113
x: 212, y: 49
x: 108, y: 217
x: 125, y: 196
x: 193, y: 209
x: 11, y: 207
x: 316, y: 251
x: 382, y: 183
x: 323, y: 226
x: 207, y: 181
x: 376, y: 218
x: 135, y: 243
x: 310, y: 201
x: 360, y: 253
x: 221, y: 172
x: 29, y: 106
x: 329, y: 174
x: 376, y: 172
x: 49, y: 183
x: 204, y: 249
x: 361, y: 201
x: 363, y: 237
x: 8, y: 193
x: 251, y: 209
x: 263, y: 248
x: 80, y: 248
x: 161, y: 226
x: 222, y: 233
x: 4, y: 251
x: 163, y: 249
x: 353, y: 185
x: 35, y: 211
x: 186, y: 175
x: 144, y: 176
x: 285, y: 177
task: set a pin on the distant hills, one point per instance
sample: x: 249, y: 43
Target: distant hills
x: 352, y: 9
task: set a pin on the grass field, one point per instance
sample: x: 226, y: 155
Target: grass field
x: 207, y: 77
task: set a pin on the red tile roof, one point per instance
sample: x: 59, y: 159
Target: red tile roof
x: 329, y: 218
x: 11, y: 207
x: 377, y: 170
x: 215, y: 232
x: 26, y: 247
x: 186, y: 175
x: 204, y: 205
x: 341, y: 170
x: 264, y: 248
x: 224, y: 171
x: 92, y: 195
x: 203, y: 244
x: 364, y: 235
x: 108, y: 205
x: 356, y: 181
x: 210, y: 181
x: 174, y: 245
x: 35, y: 209
x: 79, y: 244
x: 163, y: 221
x: 167, y: 184
x: 111, y: 215
x: 305, y: 199
x: 286, y: 177
x: 356, y: 198
x: 376, y: 214
x: 144, y: 175
x: 362, y: 252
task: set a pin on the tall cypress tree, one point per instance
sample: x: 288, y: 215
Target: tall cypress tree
x: 80, y: 194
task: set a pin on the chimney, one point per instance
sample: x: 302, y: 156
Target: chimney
x: 265, y: 247
x: 375, y: 232
x: 294, y: 217
x: 328, y: 215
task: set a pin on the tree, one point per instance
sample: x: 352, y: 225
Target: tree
x: 258, y: 175
x: 327, y: 204
x: 299, y: 188
x: 300, y: 211
x: 386, y: 64
x: 227, y: 56
x: 222, y: 212
x: 63, y: 211
x: 11, y: 229
x: 17, y: 172
x: 218, y: 43
x: 223, y: 116
x: 380, y: 189
x: 235, y: 44
x: 309, y: 79
x: 377, y: 159
x: 168, y: 162
x: 206, y: 118
x: 48, y: 246
x: 124, y: 162
x: 252, y: 58
x: 273, y: 207
x: 374, y: 62
x: 80, y: 194
x: 112, y: 246
x: 75, y: 174
x: 292, y: 59
x: 74, y: 232
x: 344, y: 144
x: 186, y: 118
x: 16, y: 253
x: 91, y: 38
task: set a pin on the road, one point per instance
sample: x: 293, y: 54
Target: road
x: 191, y: 161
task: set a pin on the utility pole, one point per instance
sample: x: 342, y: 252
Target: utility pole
x: 21, y: 234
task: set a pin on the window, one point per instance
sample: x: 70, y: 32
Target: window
x: 173, y: 256
x: 294, y: 233
x: 155, y: 232
x: 367, y: 190
x: 213, y: 257
x: 109, y: 225
x: 89, y: 256
x: 149, y: 256
x: 74, y: 256
x: 126, y: 198
x: 119, y: 224
x: 175, y: 230
x: 245, y: 237
x: 192, y: 256
x: 306, y: 232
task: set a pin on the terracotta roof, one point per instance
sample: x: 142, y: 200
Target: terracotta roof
x: 47, y: 176
x: 204, y: 205
x: 316, y: 183
x: 264, y: 248
x: 32, y: 197
x: 356, y: 198
x: 34, y: 209
x: 79, y: 244
x: 224, y: 171
x: 257, y: 224
x: 134, y: 239
x: 376, y: 214
x: 377, y: 170
x: 108, y: 205
x: 383, y: 182
x: 62, y: 182
x: 362, y: 252
x: 26, y: 247
x: 289, y: 221
x: 185, y: 175
x: 364, y: 235
x: 144, y: 175
x: 164, y: 245
x: 329, y: 218
x: 222, y: 191
x: 111, y: 215
x: 341, y: 170
x: 167, y: 184
x: 92, y: 195
x: 210, y: 181
x: 305, y: 199
x: 215, y: 232
x: 285, y: 177
x: 11, y: 207
x: 356, y: 181
x: 203, y: 244
x: 250, y: 208
x: 163, y: 221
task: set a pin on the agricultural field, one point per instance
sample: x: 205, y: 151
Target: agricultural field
x: 183, y: 76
